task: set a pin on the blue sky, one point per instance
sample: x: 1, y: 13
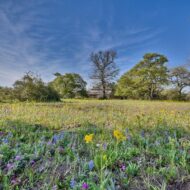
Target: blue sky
x: 48, y: 36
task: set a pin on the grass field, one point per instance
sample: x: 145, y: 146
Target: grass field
x: 95, y: 144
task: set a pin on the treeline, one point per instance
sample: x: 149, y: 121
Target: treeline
x: 149, y: 79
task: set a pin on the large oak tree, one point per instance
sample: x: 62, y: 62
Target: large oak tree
x: 145, y: 79
x: 180, y: 78
x: 104, y: 69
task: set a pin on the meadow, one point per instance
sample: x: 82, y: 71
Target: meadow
x: 95, y: 145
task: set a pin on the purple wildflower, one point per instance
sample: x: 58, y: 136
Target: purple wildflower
x: 5, y: 141
x: 2, y: 133
x: 32, y: 162
x: 123, y: 167
x: 57, y: 137
x: 54, y: 187
x: 142, y: 134
x: 72, y: 183
x: 91, y: 165
x: 49, y: 143
x: 10, y: 166
x: 17, y: 158
x: 105, y: 146
x: 15, y: 181
x: 85, y: 186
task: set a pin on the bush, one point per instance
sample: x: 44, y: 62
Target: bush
x: 173, y: 94
x: 32, y: 88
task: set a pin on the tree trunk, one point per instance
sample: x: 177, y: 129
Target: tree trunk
x: 104, y: 91
x: 180, y: 93
x: 152, y: 92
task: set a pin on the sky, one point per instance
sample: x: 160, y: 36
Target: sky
x: 49, y: 36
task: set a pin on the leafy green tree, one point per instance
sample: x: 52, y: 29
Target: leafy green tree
x: 144, y: 80
x: 104, y: 69
x: 6, y: 94
x: 172, y: 94
x: 180, y: 78
x: 32, y: 88
x: 69, y: 85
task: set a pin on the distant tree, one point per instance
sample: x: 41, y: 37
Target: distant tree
x: 180, y: 78
x: 187, y: 96
x: 112, y: 88
x: 69, y: 85
x: 32, y: 88
x: 6, y: 94
x: 104, y: 69
x: 172, y: 94
x: 144, y: 80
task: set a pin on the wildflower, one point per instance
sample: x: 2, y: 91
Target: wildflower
x: 15, y: 181
x: 10, y: 166
x: 88, y: 138
x: 2, y: 133
x: 105, y: 146
x: 57, y: 137
x: 32, y: 162
x: 49, y: 143
x: 5, y: 140
x: 97, y: 145
x: 10, y: 135
x: 123, y: 167
x: 17, y: 158
x: 104, y: 157
x: 72, y: 183
x: 85, y: 186
x: 118, y: 135
x: 91, y: 165
x: 54, y: 187
x: 142, y: 134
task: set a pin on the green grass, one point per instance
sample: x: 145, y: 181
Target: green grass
x: 42, y: 145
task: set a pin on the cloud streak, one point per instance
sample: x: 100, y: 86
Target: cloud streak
x: 33, y: 40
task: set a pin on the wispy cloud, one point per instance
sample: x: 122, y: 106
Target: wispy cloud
x: 33, y: 39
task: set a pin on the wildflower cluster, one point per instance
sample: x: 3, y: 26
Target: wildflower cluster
x: 38, y: 158
x: 88, y: 138
x: 119, y: 135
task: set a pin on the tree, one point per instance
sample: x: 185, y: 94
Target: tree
x: 172, y: 94
x: 180, y: 78
x: 6, y: 94
x: 69, y: 85
x: 32, y: 88
x: 104, y: 69
x: 144, y: 80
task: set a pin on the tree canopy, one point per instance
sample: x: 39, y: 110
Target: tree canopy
x: 32, y: 88
x: 69, y: 85
x: 150, y: 79
x: 104, y: 69
x: 180, y: 78
x: 145, y: 79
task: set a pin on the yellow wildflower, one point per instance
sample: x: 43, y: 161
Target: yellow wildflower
x: 104, y: 157
x: 118, y: 135
x: 88, y: 138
